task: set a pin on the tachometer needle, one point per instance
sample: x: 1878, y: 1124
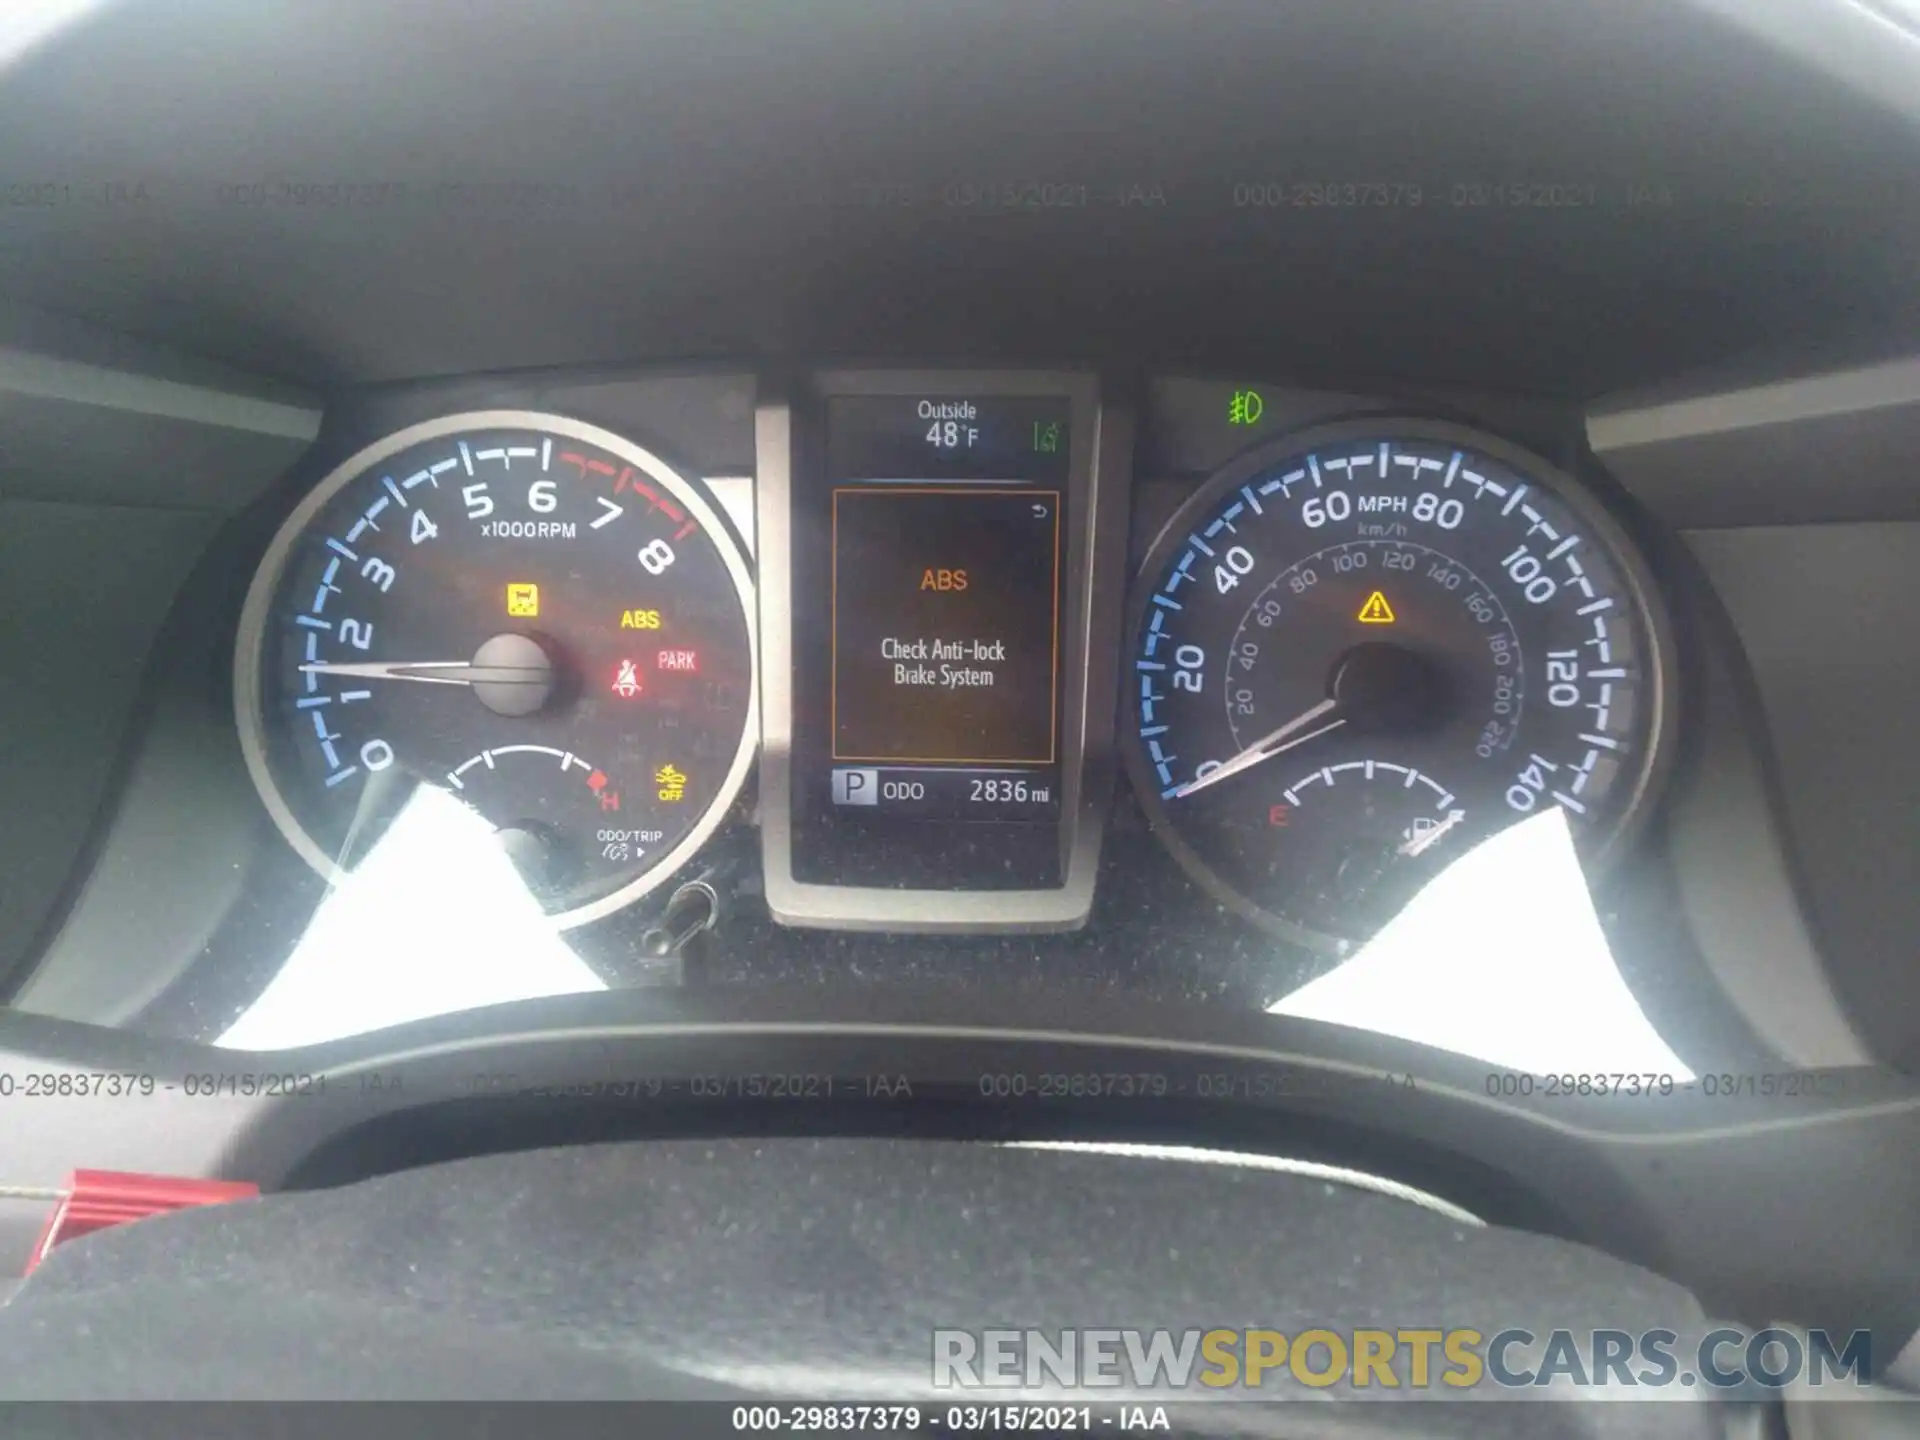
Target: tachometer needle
x: 1266, y: 747
x: 430, y: 672
x: 509, y: 674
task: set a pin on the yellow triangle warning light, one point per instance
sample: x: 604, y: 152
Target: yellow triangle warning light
x: 1376, y: 611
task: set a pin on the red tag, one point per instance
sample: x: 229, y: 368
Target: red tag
x: 101, y: 1199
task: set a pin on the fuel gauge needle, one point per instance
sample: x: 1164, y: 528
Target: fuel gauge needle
x: 1266, y: 747
x: 1419, y: 843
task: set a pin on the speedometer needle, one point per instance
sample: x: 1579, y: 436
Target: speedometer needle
x: 1266, y: 747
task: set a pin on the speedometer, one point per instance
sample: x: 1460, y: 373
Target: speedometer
x: 532, y: 616
x: 1359, y: 650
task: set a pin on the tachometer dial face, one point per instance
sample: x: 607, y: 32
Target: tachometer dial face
x: 532, y: 615
x: 1358, y: 651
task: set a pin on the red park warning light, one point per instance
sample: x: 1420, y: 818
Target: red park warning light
x: 678, y: 662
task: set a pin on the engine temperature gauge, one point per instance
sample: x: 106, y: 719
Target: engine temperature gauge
x: 559, y: 817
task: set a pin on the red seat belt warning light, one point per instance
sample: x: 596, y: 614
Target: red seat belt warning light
x: 101, y: 1199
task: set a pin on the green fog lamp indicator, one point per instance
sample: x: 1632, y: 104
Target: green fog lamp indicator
x: 1246, y: 407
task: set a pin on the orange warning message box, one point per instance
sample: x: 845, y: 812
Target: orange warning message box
x: 946, y: 624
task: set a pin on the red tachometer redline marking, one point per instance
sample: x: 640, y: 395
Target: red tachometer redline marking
x: 659, y: 502
x: 626, y: 479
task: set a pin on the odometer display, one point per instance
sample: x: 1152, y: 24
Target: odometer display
x: 531, y: 615
x: 1356, y: 652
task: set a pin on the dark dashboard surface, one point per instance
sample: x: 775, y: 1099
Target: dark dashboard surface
x: 1140, y: 182
x: 764, y: 331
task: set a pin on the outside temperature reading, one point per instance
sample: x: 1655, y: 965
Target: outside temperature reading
x: 953, y: 426
x: 956, y: 427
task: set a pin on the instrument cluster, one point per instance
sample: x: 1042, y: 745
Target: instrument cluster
x: 1334, y: 660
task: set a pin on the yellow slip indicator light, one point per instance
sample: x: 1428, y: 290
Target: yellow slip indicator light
x: 1376, y: 611
x: 672, y: 783
x: 523, y: 600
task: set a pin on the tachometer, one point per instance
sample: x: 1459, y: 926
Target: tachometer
x: 1357, y: 651
x: 530, y: 614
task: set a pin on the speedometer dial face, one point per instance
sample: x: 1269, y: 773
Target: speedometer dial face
x: 1359, y: 651
x: 532, y: 615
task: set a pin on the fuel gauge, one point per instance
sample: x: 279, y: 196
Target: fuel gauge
x: 1361, y: 837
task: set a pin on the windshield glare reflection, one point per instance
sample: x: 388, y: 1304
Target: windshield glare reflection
x: 434, y: 920
x: 1501, y: 958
